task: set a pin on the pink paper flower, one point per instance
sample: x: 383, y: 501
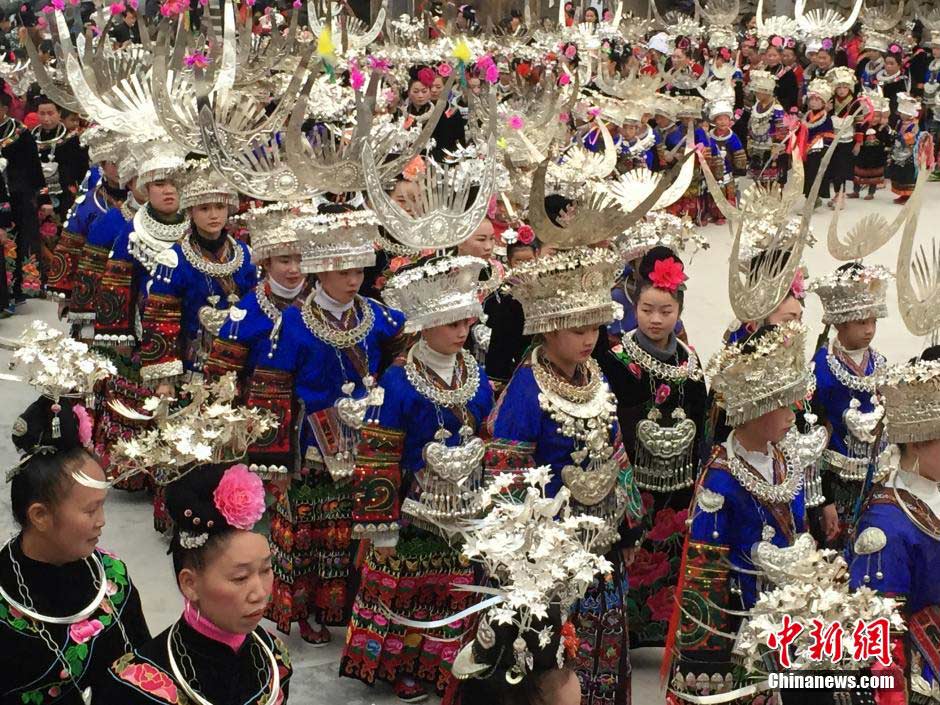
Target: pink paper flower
x: 563, y: 117
x: 377, y: 64
x: 668, y: 274
x: 516, y: 122
x: 492, y: 74
x: 635, y: 370
x: 84, y: 424
x: 564, y: 79
x: 426, y: 76
x: 571, y: 51
x: 444, y: 70
x: 117, y: 8
x: 484, y: 62
x: 662, y: 393
x: 80, y: 632
x: 134, y: 4
x: 58, y: 4
x: 356, y: 78
x: 798, y: 287
x: 526, y: 234
x: 196, y: 61
x: 297, y: 4
x: 240, y: 497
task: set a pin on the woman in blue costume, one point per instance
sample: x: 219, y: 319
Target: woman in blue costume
x: 853, y: 300
x: 419, y: 456
x: 766, y: 131
x: 67, y: 607
x: 333, y: 345
x: 194, y: 283
x: 690, y: 114
x: 558, y: 410
x: 751, y: 488
x: 103, y: 192
x: 101, y: 236
x: 117, y: 291
x: 661, y: 396
x: 637, y: 149
x: 897, y: 544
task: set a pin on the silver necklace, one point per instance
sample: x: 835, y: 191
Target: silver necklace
x: 315, y: 321
x: 759, y: 487
x: 150, y: 237
x: 58, y: 136
x: 127, y: 210
x: 210, y: 268
x: 659, y: 369
x: 464, y: 392
x: 196, y: 697
x: 853, y: 382
x: 100, y: 581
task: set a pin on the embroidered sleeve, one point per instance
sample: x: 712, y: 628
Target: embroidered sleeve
x: 91, y: 264
x: 273, y: 390
x: 739, y: 161
x: 62, y: 266
x: 225, y: 356
x: 145, y: 678
x: 115, y: 304
x: 377, y: 482
x: 159, y: 353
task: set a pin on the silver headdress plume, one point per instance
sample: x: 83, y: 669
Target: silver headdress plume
x: 819, y: 24
x: 778, y: 25
x: 353, y: 33
x: 881, y: 19
x: 444, y: 215
x: 331, y: 161
x: 595, y: 220
x: 720, y: 13
x: 918, y: 274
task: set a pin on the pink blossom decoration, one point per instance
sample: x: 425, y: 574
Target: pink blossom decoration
x: 80, y: 632
x: 444, y: 70
x: 571, y: 51
x: 48, y: 10
x: 564, y: 79
x: 377, y: 64
x: 239, y: 497
x: 635, y: 370
x: 356, y: 78
x: 798, y: 287
x: 134, y: 4
x: 563, y: 117
x: 84, y: 424
x: 297, y: 4
x: 516, y: 122
x: 526, y: 234
x: 196, y: 60
x: 492, y: 74
x: 484, y: 62
x: 117, y: 8
x: 662, y: 393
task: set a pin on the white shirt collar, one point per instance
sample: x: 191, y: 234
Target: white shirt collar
x: 762, y: 462
x: 443, y: 365
x: 857, y: 356
x: 924, y: 489
x: 328, y: 303
x: 283, y: 291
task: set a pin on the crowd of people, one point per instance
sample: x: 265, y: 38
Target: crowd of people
x: 388, y: 321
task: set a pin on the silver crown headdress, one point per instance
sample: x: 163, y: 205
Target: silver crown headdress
x: 272, y: 231
x: 772, y: 375
x: 439, y: 292
x: 911, y: 394
x: 103, y: 145
x: 158, y: 159
x: 762, y: 81
x: 820, y: 87
x: 201, y: 184
x: 877, y: 41
x: 567, y: 289
x: 841, y: 76
x: 853, y: 294
x: 335, y: 241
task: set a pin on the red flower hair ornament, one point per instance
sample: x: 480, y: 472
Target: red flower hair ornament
x: 569, y: 638
x: 668, y: 274
x: 426, y: 76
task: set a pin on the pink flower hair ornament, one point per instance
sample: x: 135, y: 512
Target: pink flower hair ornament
x: 798, y: 287
x: 239, y: 497
x: 668, y: 274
